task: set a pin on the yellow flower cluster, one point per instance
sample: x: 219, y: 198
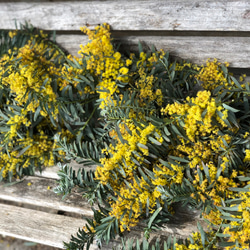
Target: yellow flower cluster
x: 40, y: 148
x: 123, y: 156
x: 247, y: 157
x: 145, y: 85
x: 37, y: 150
x: 15, y: 122
x: 104, y: 62
x: 110, y: 68
x: 212, y: 75
x: 243, y: 221
x: 9, y: 162
x: 197, y: 244
x: 28, y: 74
x: 198, y: 113
x: 205, y: 147
x: 33, y: 75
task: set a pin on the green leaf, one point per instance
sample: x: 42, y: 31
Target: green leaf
x: 149, y: 173
x: 77, y: 65
x: 140, y: 47
x: 226, y: 244
x: 236, y: 82
x: 121, y: 171
x: 223, y: 235
x: 165, y: 163
x: 73, y: 111
x: 234, y: 208
x: 230, y: 218
x: 220, y: 114
x: 206, y: 171
x: 153, y: 140
x: 86, y: 80
x: 224, y: 69
x: 166, y: 130
x: 218, y: 173
x: 140, y: 145
x: 174, y: 243
x: 230, y: 108
x: 234, y: 201
x: 165, y: 138
x: 239, y: 189
x: 178, y: 159
x: 144, y: 176
x: 45, y: 82
x: 231, y: 117
x: 174, y: 128
x: 135, y: 161
x: 152, y: 218
x: 203, y: 235
x: 37, y: 113
x: 172, y: 75
x: 243, y: 178
x: 23, y: 150
x: 200, y: 175
x: 155, y: 120
x: 100, y: 89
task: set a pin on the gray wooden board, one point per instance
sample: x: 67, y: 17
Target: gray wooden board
x: 53, y: 230
x: 235, y: 50
x: 37, y: 226
x: 38, y: 194
x: 223, y: 15
x: 182, y: 225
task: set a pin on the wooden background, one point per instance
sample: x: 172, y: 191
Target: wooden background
x: 189, y: 29
x: 195, y: 30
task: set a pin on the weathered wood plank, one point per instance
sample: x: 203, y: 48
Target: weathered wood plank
x: 52, y: 229
x: 224, y: 15
x: 37, y: 226
x: 235, y: 50
x: 181, y: 225
x: 40, y: 193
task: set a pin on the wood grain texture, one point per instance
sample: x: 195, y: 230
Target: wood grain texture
x: 38, y: 194
x: 182, y: 223
x: 53, y: 230
x: 235, y: 50
x: 31, y: 224
x: 223, y: 15
x: 37, y: 226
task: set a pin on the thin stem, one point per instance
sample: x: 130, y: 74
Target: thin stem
x: 91, y: 115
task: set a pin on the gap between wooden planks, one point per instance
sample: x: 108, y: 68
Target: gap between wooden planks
x: 37, y: 226
x: 196, y: 15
